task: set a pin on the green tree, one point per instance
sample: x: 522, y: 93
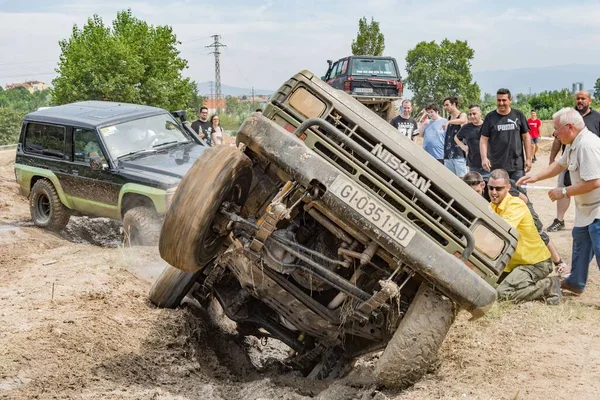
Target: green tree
x: 10, y: 125
x: 597, y: 90
x: 436, y: 71
x: 369, y: 41
x: 130, y: 62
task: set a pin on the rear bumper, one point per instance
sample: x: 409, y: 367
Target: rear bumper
x: 446, y: 272
x: 374, y: 99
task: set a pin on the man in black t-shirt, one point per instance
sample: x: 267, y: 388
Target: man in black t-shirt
x: 591, y: 119
x: 406, y: 125
x: 202, y: 126
x: 504, y: 134
x: 454, y: 156
x: 468, y: 137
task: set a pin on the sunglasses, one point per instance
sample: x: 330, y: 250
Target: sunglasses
x: 473, y: 183
x: 496, y: 188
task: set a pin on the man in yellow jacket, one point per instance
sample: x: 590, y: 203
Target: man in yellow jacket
x: 526, y: 275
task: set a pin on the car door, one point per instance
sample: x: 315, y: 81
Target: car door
x: 94, y: 191
x: 330, y: 77
x: 340, y: 74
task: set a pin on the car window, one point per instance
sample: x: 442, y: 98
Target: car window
x: 86, y: 144
x: 339, y: 68
x: 374, y: 67
x: 344, y: 67
x: 333, y: 70
x: 48, y: 140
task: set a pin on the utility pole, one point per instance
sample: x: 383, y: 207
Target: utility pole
x: 217, y: 45
x: 253, y: 108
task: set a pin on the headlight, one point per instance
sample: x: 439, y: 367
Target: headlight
x: 488, y: 242
x: 170, y: 194
x: 306, y: 103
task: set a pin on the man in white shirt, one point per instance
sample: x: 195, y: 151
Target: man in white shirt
x: 582, y: 158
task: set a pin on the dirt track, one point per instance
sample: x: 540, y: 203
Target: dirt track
x: 75, y: 323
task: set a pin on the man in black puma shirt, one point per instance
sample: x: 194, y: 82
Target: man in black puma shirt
x: 505, y: 142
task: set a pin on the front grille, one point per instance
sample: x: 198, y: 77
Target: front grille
x: 379, y: 183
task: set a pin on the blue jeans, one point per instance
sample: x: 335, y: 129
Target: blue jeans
x: 586, y: 245
x: 516, y: 175
x: 457, y: 165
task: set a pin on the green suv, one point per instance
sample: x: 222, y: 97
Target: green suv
x: 104, y: 159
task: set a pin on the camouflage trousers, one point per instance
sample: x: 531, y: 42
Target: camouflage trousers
x: 526, y: 282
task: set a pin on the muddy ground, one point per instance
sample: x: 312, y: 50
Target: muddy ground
x: 75, y: 323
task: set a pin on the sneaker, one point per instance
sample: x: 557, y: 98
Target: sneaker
x: 534, y: 159
x: 554, y: 294
x: 557, y: 225
x: 565, y: 286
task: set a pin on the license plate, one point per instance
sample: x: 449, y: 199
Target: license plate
x: 372, y: 209
x: 363, y: 90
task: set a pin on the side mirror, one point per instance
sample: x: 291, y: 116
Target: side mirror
x: 96, y: 163
x: 180, y: 114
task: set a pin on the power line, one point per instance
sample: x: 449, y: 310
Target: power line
x: 29, y: 62
x: 183, y: 43
x: 238, y: 68
x: 28, y: 74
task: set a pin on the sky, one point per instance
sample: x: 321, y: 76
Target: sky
x: 269, y: 41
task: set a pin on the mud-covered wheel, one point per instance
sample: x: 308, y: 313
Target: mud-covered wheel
x: 415, y: 344
x: 171, y: 286
x: 45, y: 206
x: 141, y: 226
x: 193, y: 229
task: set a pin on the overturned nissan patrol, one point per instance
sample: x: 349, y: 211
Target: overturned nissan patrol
x: 327, y: 230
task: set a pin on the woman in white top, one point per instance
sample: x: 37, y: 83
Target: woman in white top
x: 217, y: 131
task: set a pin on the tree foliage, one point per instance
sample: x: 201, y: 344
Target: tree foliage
x: 20, y: 99
x: 236, y: 111
x: 597, y: 90
x: 10, y: 125
x: 129, y: 62
x: 436, y: 71
x: 369, y: 40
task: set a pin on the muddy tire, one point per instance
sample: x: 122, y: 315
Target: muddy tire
x: 141, y: 226
x: 415, y: 344
x: 188, y: 240
x: 47, y: 211
x: 171, y: 286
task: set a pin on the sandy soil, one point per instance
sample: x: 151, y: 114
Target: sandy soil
x: 75, y: 323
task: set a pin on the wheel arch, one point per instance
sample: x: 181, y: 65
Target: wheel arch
x: 131, y: 200
x: 133, y: 194
x: 27, y: 176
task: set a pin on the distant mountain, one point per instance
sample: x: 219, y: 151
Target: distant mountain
x: 535, y: 80
x: 204, y: 89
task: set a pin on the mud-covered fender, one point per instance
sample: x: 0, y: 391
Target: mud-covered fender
x: 158, y: 197
x: 24, y: 175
